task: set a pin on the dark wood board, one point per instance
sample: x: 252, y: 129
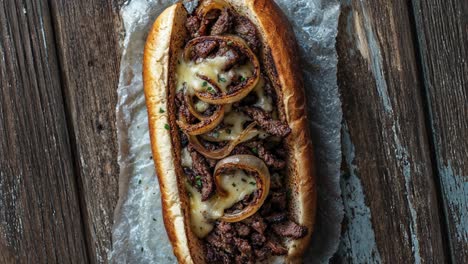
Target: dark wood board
x: 87, y: 34
x: 40, y: 219
x: 389, y: 190
x: 442, y: 31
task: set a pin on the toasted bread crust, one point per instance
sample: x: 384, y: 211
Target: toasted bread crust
x: 282, y: 65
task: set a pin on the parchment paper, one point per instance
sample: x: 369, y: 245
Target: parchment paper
x: 138, y: 233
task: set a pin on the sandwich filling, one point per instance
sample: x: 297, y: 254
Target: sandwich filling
x: 232, y: 130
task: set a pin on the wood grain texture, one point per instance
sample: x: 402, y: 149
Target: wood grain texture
x: 389, y: 191
x: 442, y: 30
x: 40, y: 219
x: 89, y: 52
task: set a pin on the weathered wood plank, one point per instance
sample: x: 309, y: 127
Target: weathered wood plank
x: 389, y: 191
x: 442, y: 30
x: 87, y: 34
x: 40, y: 219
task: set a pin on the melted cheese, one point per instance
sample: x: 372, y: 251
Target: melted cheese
x: 263, y: 101
x: 187, y: 72
x: 186, y: 159
x: 201, y: 106
x: 238, y: 185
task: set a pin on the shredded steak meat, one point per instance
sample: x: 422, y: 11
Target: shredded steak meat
x: 223, y: 24
x: 241, y: 150
x: 222, y: 237
x: 246, y: 30
x: 276, y: 248
x: 192, y: 24
x: 191, y: 177
x: 262, y: 253
x: 289, y: 229
x: 214, y: 255
x: 201, y: 168
x: 242, y: 229
x: 270, y: 159
x: 258, y: 240
x: 257, y: 223
x: 276, y: 217
x: 233, y: 58
x: 243, y: 246
x: 203, y: 49
x: 274, y: 127
x: 183, y: 109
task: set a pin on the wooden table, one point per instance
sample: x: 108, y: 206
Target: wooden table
x: 403, y: 77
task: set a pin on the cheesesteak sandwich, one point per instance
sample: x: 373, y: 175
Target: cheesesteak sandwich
x: 229, y: 133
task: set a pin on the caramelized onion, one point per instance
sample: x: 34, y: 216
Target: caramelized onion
x: 251, y: 134
x: 207, y: 6
x: 247, y: 163
x: 205, y: 125
x: 224, y: 151
x: 239, y: 91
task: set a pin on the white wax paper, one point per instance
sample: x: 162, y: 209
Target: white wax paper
x: 138, y: 233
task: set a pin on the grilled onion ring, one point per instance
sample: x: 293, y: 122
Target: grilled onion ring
x: 242, y: 89
x: 249, y: 163
x: 224, y: 151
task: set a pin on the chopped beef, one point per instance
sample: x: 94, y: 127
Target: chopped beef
x: 276, y: 248
x: 192, y: 178
x: 270, y: 159
x: 214, y: 255
x: 262, y: 253
x: 233, y: 58
x: 222, y: 237
x: 223, y: 24
x: 257, y: 239
x: 226, y: 228
x: 274, y: 127
x: 243, y: 246
x: 245, y: 29
x: 256, y: 223
x: 240, y: 259
x: 183, y: 109
x: 276, y: 217
x: 201, y: 168
x: 289, y: 229
x: 242, y: 229
x: 241, y: 150
x: 179, y: 99
x: 203, y: 49
x: 279, y: 200
x: 192, y: 24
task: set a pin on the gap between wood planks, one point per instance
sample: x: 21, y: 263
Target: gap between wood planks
x: 430, y: 132
x: 72, y: 142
